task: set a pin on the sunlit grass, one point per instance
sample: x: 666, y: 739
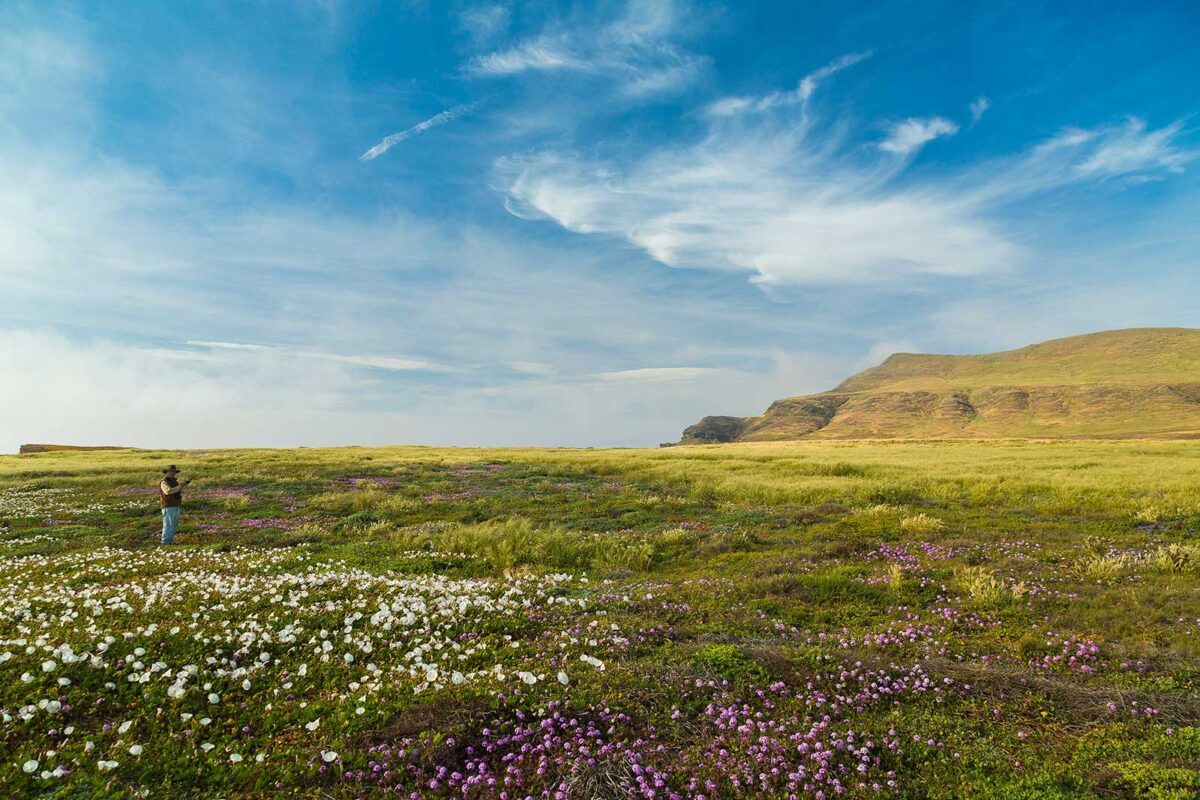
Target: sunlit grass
x: 426, y: 613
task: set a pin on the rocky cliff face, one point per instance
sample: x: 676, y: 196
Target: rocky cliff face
x: 1116, y: 384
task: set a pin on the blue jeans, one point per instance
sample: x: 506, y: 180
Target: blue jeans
x: 170, y: 524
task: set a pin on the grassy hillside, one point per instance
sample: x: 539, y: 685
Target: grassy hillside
x: 912, y: 619
x: 1137, y: 356
x: 1116, y: 384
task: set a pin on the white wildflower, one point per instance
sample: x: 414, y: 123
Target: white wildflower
x: 595, y: 662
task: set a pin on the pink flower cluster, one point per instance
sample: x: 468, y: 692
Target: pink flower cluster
x: 1080, y: 655
x: 774, y: 741
x: 281, y: 523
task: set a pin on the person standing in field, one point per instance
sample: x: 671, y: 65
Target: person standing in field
x: 170, y: 499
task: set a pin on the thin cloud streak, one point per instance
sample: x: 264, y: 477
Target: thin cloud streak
x: 537, y: 55
x: 728, y: 106
x: 437, y: 120
x: 656, y: 374
x: 1131, y: 152
x: 1132, y: 147
x: 390, y: 363
x: 634, y: 51
x: 907, y: 137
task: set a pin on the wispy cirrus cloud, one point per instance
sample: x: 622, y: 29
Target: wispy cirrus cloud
x: 388, y: 142
x: 544, y: 54
x: 656, y: 374
x: 907, y: 137
x: 484, y: 22
x: 384, y: 362
x: 728, y: 106
x: 1132, y: 148
x: 636, y: 51
x: 978, y: 107
x: 1130, y: 152
x: 787, y: 201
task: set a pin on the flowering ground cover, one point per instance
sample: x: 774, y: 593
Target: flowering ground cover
x: 928, y: 620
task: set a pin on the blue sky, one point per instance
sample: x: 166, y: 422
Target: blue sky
x: 565, y: 223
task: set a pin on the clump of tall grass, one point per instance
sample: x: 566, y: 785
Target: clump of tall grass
x: 878, y: 510
x: 1182, y: 558
x: 895, y: 577
x: 921, y: 523
x: 1158, y: 513
x: 1174, y: 558
x: 1102, y: 568
x: 506, y: 544
x: 370, y: 499
x: 982, y: 586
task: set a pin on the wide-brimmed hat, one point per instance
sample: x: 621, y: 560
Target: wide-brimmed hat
x: 170, y: 468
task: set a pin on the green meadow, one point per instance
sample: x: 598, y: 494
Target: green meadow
x: 1006, y: 619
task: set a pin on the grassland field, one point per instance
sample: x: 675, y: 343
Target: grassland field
x: 1004, y: 619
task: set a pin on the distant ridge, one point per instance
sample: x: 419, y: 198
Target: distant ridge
x: 49, y: 448
x: 1133, y: 383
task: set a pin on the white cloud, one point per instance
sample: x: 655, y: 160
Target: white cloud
x: 70, y: 391
x: 655, y: 374
x: 484, y: 22
x: 449, y: 115
x: 789, y: 202
x: 728, y: 106
x: 74, y: 391
x: 258, y: 348
x: 1133, y: 148
x: 978, y: 106
x: 49, y: 376
x: 774, y: 207
x: 1131, y: 152
x: 538, y: 55
x: 906, y: 137
x: 635, y: 51
x: 390, y: 363
x: 382, y: 362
